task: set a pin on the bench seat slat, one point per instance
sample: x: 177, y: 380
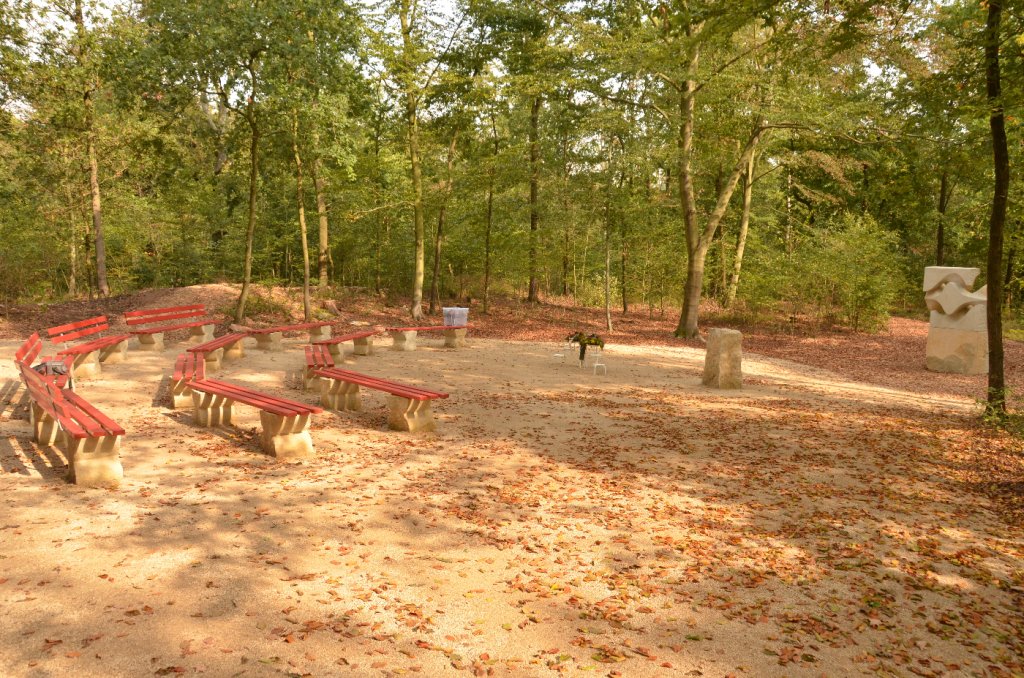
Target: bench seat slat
x: 393, y: 387
x: 290, y: 328
x: 264, y: 401
x: 427, y: 329
x: 107, y: 425
x: 219, y: 342
x: 94, y: 345
x: 345, y: 337
x: 318, y: 356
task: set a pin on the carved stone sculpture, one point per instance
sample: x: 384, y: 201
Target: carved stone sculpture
x: 958, y: 335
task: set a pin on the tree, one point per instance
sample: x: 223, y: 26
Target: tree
x: 996, y: 404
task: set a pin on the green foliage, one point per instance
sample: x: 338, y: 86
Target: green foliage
x: 848, y: 273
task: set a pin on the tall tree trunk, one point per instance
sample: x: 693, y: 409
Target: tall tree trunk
x: 996, y: 406
x: 608, y: 258
x: 698, y: 241
x: 300, y: 198
x: 435, y: 281
x: 940, y: 236
x: 72, y: 243
x: 250, y: 229
x: 412, y: 120
x: 324, y: 251
x: 741, y: 239
x: 533, y: 294
x: 1008, y: 278
x: 94, y: 166
x: 490, y: 216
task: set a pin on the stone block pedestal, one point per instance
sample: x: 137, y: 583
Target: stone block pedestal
x: 455, y: 338
x: 406, y: 414
x: 957, y: 351
x: 404, y: 340
x: 723, y: 361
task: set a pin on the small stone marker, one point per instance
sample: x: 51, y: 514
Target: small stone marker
x: 723, y: 361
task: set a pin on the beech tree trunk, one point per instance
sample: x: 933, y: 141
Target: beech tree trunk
x: 490, y: 216
x: 698, y: 240
x: 412, y: 121
x: 996, y: 406
x: 435, y: 282
x: 608, y: 259
x: 300, y: 198
x: 250, y: 229
x: 324, y: 251
x: 533, y: 294
x: 940, y: 236
x: 99, y: 241
x: 741, y: 238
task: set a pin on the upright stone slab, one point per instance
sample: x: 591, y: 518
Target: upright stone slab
x: 723, y: 362
x: 958, y: 333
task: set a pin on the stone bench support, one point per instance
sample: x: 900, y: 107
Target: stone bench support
x: 234, y: 350
x: 403, y: 340
x: 213, y: 359
x: 211, y: 410
x: 455, y: 338
x: 45, y: 429
x: 362, y: 346
x: 181, y: 395
x: 268, y: 341
x: 93, y: 462
x: 286, y: 437
x: 319, y: 333
x: 151, y: 342
x: 406, y: 414
x: 86, y: 365
x: 200, y: 334
x: 340, y: 395
x: 115, y: 353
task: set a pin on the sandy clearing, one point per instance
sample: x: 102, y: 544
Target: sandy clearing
x: 557, y: 521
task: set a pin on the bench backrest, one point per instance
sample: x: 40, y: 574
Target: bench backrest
x: 159, y: 315
x: 189, y: 366
x: 76, y: 330
x: 29, y: 351
x: 47, y: 396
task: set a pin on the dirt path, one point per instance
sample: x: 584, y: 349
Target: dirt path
x: 636, y: 524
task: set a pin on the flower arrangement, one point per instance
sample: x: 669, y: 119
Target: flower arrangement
x: 585, y: 340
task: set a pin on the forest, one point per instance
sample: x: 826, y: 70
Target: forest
x: 802, y: 158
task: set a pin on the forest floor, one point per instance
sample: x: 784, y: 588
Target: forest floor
x: 845, y: 513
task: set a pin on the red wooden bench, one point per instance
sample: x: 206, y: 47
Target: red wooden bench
x: 405, y: 337
x: 187, y: 368
x: 409, y: 406
x: 317, y: 357
x: 269, y: 338
x: 90, y: 440
x: 152, y: 338
x: 361, y: 341
x: 88, y: 356
x: 227, y: 346
x: 29, y: 352
x: 285, y: 422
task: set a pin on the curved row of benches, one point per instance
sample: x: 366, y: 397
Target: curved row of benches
x: 91, y: 440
